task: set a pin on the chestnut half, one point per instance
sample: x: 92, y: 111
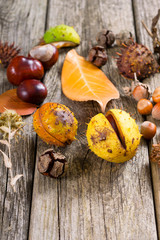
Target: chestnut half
x: 32, y: 91
x: 22, y: 68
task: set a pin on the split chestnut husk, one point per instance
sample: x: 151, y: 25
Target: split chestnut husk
x: 113, y: 137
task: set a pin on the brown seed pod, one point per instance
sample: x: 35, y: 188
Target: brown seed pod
x: 7, y: 53
x: 136, y: 58
x: 105, y: 38
x: 155, y: 154
x: 52, y: 164
x: 124, y: 37
x: 98, y: 56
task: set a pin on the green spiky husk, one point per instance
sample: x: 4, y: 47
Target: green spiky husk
x: 61, y: 33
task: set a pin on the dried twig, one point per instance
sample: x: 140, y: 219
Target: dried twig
x: 10, y: 124
x: 153, y: 33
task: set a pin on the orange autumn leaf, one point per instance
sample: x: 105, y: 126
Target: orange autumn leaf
x: 82, y: 81
x: 9, y: 100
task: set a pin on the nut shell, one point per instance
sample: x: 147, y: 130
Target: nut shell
x: 52, y: 164
x: 106, y: 143
x: 55, y: 124
x: 156, y: 111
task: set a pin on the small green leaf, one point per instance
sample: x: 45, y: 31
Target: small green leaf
x: 61, y: 33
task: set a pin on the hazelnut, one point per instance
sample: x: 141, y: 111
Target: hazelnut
x: 156, y: 111
x: 144, y: 106
x: 148, y: 130
x: 156, y: 95
x: 140, y: 92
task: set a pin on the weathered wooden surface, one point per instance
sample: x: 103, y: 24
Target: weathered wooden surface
x: 145, y: 10
x: 20, y: 22
x: 96, y: 200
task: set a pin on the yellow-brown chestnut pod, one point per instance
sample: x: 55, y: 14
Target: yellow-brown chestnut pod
x: 55, y: 124
x: 114, y: 136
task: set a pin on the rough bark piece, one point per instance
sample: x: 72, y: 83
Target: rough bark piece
x: 21, y: 23
x: 96, y: 199
x: 145, y: 10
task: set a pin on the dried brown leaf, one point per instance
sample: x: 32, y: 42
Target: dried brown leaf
x: 15, y: 179
x: 4, y: 129
x: 7, y: 161
x: 5, y: 142
x: 9, y: 100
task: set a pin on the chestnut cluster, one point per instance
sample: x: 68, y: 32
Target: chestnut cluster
x: 146, y: 107
x: 26, y: 72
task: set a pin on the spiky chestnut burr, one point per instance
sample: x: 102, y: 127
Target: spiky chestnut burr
x: 7, y: 53
x: 136, y: 58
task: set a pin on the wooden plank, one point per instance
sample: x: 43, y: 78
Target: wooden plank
x: 145, y: 10
x: 20, y: 22
x: 97, y: 199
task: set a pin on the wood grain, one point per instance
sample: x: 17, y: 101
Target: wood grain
x: 20, y: 22
x: 96, y: 199
x: 145, y: 11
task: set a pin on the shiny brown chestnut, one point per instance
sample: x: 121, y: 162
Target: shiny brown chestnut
x: 46, y: 54
x: 22, y: 68
x: 32, y: 91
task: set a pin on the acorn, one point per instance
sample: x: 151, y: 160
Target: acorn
x: 114, y: 136
x: 136, y: 58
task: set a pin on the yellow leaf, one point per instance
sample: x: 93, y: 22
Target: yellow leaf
x: 82, y: 81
